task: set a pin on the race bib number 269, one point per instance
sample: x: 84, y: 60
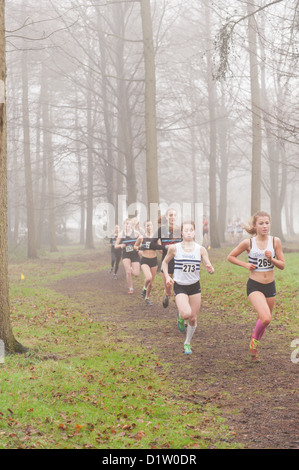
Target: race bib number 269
x: 264, y: 263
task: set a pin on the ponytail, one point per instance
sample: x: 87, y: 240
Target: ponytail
x: 252, y: 222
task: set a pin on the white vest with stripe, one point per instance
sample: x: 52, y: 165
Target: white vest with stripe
x: 186, y: 265
x: 258, y: 258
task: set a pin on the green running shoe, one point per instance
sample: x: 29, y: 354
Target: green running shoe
x: 148, y: 302
x: 181, y: 323
x: 143, y: 293
x: 187, y: 349
x: 253, y: 348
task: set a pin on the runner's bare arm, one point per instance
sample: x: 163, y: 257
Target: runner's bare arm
x: 233, y: 256
x: 171, y: 251
x: 118, y: 244
x: 206, y: 261
x: 278, y: 261
x: 138, y: 242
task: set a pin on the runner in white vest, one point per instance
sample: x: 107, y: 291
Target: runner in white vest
x: 264, y: 253
x: 187, y: 257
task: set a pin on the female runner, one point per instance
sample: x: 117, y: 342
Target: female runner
x: 264, y: 253
x: 187, y: 257
x: 168, y: 234
x: 149, y: 261
x: 130, y: 257
x: 115, y: 253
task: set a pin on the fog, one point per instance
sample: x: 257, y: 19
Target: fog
x: 162, y: 101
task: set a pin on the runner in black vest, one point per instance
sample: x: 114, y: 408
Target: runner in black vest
x: 115, y: 252
x: 130, y: 257
x: 149, y: 262
x: 168, y: 234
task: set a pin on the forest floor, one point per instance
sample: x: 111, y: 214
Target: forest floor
x: 259, y: 401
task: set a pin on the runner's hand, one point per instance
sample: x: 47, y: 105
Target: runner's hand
x: 268, y: 254
x: 169, y: 281
x: 250, y: 266
x: 210, y: 269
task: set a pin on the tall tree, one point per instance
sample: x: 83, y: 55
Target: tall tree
x: 89, y: 240
x: 6, y: 333
x: 150, y: 105
x: 214, y: 233
x: 48, y: 153
x: 256, y: 162
x: 31, y: 236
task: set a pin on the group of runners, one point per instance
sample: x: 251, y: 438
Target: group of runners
x: 234, y: 231
x: 181, y: 262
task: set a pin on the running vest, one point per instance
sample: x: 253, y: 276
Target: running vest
x: 149, y: 243
x: 129, y: 242
x: 167, y: 238
x: 258, y: 258
x: 186, y: 265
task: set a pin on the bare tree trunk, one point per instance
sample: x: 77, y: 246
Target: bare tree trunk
x: 150, y: 105
x: 256, y: 114
x: 193, y: 165
x: 81, y: 189
x: 214, y: 234
x: 31, y: 247
x: 16, y: 200
x: 48, y: 151
x: 124, y: 129
x: 38, y: 174
x: 6, y: 334
x: 106, y: 111
x: 42, y: 203
x: 89, y: 242
x: 223, y: 150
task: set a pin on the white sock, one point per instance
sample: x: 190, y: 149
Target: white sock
x: 190, y: 332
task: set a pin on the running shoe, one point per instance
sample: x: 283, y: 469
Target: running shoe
x: 143, y: 293
x: 114, y: 276
x: 165, y: 302
x: 148, y: 302
x: 254, y: 343
x: 187, y: 349
x: 131, y: 290
x: 181, y: 323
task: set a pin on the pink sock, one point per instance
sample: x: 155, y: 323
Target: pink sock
x: 259, y: 330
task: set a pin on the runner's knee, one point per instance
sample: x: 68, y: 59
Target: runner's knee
x: 185, y: 313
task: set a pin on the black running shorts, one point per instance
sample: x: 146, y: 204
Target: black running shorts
x: 132, y: 255
x: 269, y: 290
x: 190, y: 289
x: 151, y: 262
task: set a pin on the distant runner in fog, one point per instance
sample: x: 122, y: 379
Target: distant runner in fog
x: 115, y: 252
x: 205, y: 232
x: 130, y: 257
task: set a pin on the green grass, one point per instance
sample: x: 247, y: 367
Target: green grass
x: 84, y: 386
x: 80, y: 386
x: 226, y: 289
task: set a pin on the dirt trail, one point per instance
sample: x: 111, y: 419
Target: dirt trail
x: 259, y: 401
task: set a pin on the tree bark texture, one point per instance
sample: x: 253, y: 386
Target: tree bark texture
x: 6, y: 334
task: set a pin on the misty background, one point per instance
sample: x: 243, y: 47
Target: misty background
x: 78, y: 122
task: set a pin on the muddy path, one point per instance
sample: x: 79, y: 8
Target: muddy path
x: 259, y: 401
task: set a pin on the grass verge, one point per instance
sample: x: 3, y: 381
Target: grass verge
x: 80, y: 386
